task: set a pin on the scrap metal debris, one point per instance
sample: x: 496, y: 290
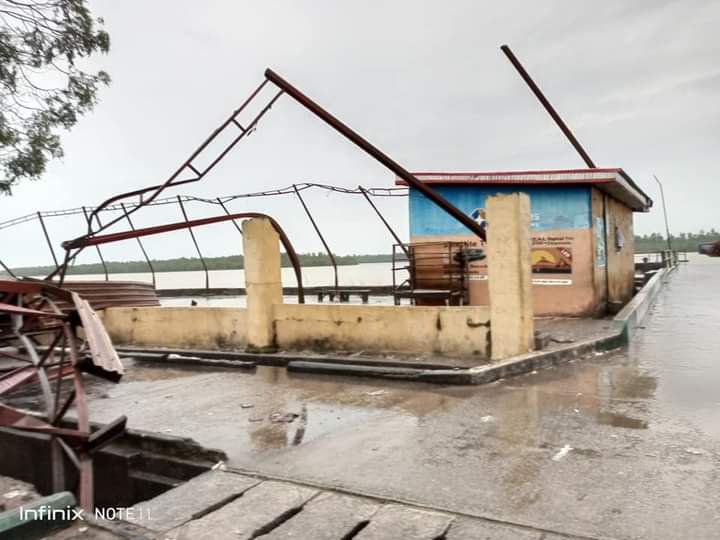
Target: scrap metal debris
x: 51, y: 335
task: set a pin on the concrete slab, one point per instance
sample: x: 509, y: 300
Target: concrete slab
x: 191, y: 500
x: 403, y: 523
x: 562, y: 331
x: 329, y: 516
x: 476, y: 529
x: 257, y: 511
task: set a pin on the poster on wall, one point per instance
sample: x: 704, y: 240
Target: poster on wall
x: 552, y: 258
x: 600, y: 256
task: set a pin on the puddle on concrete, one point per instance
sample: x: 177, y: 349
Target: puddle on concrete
x: 155, y: 371
x: 619, y: 420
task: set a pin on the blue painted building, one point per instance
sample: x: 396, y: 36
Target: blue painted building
x: 581, y: 228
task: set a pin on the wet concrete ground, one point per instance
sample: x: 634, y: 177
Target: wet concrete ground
x: 623, y: 445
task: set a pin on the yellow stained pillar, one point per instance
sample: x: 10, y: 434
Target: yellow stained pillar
x: 263, y: 284
x: 510, y: 274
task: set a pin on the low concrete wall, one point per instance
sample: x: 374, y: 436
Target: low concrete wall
x: 630, y: 317
x: 412, y: 329
x: 440, y: 330
x: 184, y: 327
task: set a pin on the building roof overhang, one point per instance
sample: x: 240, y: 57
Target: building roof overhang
x: 614, y: 182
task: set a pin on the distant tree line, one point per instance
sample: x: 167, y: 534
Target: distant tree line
x: 682, y: 241
x: 232, y: 262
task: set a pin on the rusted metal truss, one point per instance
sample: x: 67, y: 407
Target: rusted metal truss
x: 50, y: 337
x: 125, y: 293
x: 190, y: 171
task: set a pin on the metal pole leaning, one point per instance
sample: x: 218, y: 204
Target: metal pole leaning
x: 97, y: 248
x: 47, y: 238
x: 222, y: 204
x: 320, y: 235
x: 667, y: 227
x: 7, y: 269
x: 142, y: 247
x: 354, y: 137
x: 548, y: 106
x: 197, y: 247
x: 382, y: 218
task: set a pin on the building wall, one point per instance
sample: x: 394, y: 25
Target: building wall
x: 412, y: 329
x: 182, y: 327
x: 442, y: 330
x: 600, y: 244
x: 621, y: 259
x: 563, y: 242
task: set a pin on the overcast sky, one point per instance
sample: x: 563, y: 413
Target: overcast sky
x: 638, y: 82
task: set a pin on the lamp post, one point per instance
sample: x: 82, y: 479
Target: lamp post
x: 667, y: 227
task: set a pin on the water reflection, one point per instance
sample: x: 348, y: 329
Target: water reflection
x: 620, y: 420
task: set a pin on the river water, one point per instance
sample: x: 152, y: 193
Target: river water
x: 360, y: 275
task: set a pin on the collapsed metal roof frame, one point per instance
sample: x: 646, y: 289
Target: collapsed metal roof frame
x: 148, y: 194
x: 179, y: 200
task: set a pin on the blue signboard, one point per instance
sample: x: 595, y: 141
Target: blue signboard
x: 552, y: 207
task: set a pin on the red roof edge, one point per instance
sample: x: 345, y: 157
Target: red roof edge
x: 643, y: 202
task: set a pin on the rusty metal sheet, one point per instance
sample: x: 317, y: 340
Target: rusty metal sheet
x: 18, y: 310
x: 13, y: 418
x: 15, y: 286
x: 104, y: 355
x: 105, y: 294
x: 16, y: 378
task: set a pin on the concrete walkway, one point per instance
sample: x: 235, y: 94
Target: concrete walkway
x: 219, y: 505
x: 622, y: 445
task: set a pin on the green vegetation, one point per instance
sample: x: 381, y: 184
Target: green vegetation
x: 650, y: 242
x: 681, y: 242
x: 232, y: 262
x: 44, y: 91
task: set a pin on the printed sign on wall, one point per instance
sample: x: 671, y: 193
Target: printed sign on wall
x: 552, y: 255
x: 600, y: 256
x: 552, y: 260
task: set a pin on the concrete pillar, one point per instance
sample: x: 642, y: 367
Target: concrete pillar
x: 509, y: 274
x: 263, y: 284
